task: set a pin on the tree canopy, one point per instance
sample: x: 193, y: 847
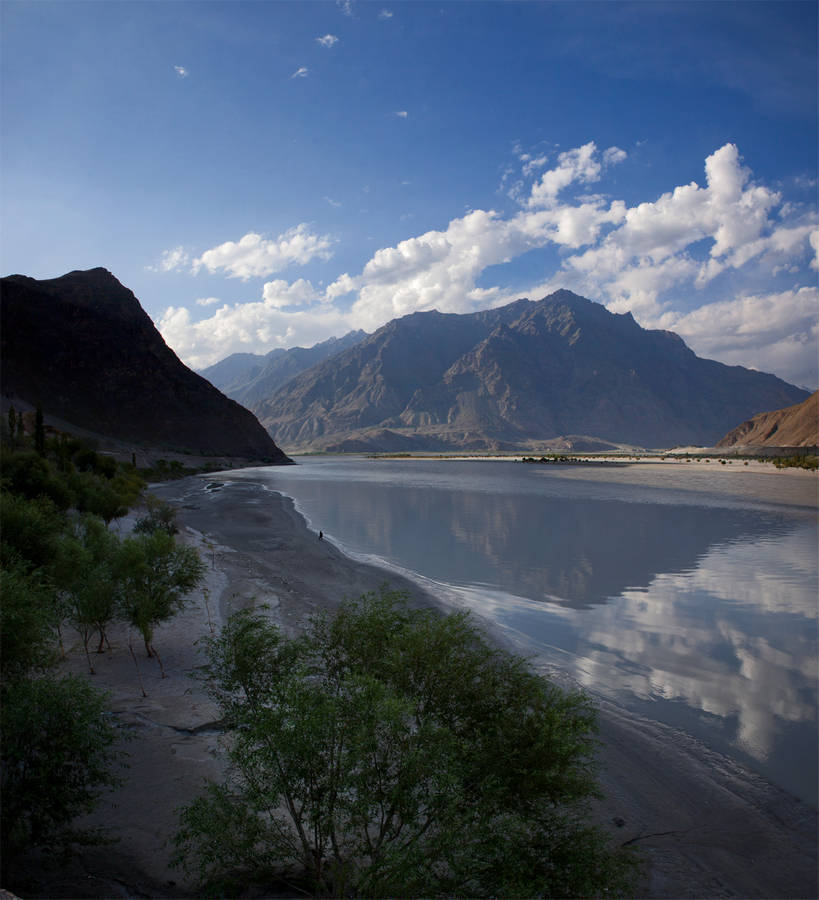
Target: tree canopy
x: 395, y: 752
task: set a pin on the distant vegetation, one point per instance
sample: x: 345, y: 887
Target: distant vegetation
x: 799, y: 462
x: 394, y: 753
x: 62, y: 568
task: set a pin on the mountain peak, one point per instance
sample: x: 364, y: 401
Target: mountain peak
x: 82, y: 347
x: 519, y: 374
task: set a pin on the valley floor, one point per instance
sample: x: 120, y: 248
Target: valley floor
x: 706, y: 827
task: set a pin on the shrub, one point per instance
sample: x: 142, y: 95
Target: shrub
x: 391, y: 752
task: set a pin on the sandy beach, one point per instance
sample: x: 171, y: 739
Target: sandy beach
x: 705, y: 826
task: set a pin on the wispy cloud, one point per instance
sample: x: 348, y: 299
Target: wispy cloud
x: 327, y: 41
x: 332, y: 202
x: 181, y: 71
x: 301, y: 72
x: 208, y: 301
x: 346, y: 6
x: 172, y: 260
x: 401, y: 113
x: 386, y: 14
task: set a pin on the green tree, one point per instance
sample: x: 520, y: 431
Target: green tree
x: 391, y: 752
x: 58, y: 752
x: 28, y: 620
x: 161, y: 516
x: 85, y: 565
x: 155, y: 574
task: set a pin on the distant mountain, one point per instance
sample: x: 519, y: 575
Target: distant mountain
x: 249, y: 378
x: 83, y: 348
x: 795, y: 426
x: 514, y: 377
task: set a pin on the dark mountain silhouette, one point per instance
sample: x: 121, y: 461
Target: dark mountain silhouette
x: 249, y: 378
x: 515, y: 376
x: 795, y: 426
x: 83, y: 348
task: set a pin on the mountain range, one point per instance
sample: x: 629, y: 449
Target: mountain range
x: 81, y: 347
x: 563, y: 368
x: 249, y: 378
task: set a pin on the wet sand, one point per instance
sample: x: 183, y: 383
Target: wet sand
x: 705, y: 826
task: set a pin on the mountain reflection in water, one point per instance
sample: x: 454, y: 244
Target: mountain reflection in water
x: 692, y: 604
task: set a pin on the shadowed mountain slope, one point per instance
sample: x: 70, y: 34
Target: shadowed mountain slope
x: 795, y: 426
x: 511, y: 376
x: 83, y: 348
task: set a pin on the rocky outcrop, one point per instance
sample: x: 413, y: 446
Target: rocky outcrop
x: 82, y: 348
x: 795, y: 426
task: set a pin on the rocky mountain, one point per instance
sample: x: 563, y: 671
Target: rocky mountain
x: 249, y: 378
x: 83, y: 348
x: 794, y: 426
x: 515, y: 377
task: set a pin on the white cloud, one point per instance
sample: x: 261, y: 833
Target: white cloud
x: 301, y: 72
x: 181, y: 71
x: 346, y: 6
x: 172, y: 260
x: 639, y: 258
x: 386, y: 14
x: 280, y: 294
x: 253, y: 256
x: 401, y: 113
x: 208, y: 301
x: 327, y: 41
x: 332, y: 202
x: 613, y: 155
x: 252, y: 327
x: 776, y: 332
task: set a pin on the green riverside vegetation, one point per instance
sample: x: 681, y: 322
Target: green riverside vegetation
x: 61, y: 567
x: 390, y: 752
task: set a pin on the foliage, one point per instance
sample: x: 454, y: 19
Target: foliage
x: 392, y: 752
x: 57, y: 757
x: 161, y: 516
x: 86, y: 569
x: 27, y: 621
x: 800, y: 462
x: 58, y: 560
x: 29, y: 530
x: 155, y: 574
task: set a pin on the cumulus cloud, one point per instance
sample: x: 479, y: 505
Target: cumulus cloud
x: 776, y: 332
x: 301, y: 72
x: 181, y: 71
x: 252, y: 327
x: 253, y: 256
x: 327, y: 41
x: 208, y: 301
x: 638, y: 258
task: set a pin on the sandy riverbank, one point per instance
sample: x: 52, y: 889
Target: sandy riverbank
x: 707, y: 828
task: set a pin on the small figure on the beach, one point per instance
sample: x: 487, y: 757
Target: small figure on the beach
x: 321, y: 535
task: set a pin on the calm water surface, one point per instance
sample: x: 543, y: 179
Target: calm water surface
x: 685, y: 593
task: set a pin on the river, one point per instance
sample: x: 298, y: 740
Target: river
x: 685, y: 591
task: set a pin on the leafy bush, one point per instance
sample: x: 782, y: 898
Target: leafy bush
x: 392, y: 752
x: 57, y: 757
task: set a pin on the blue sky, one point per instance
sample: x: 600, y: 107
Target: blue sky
x: 269, y: 174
